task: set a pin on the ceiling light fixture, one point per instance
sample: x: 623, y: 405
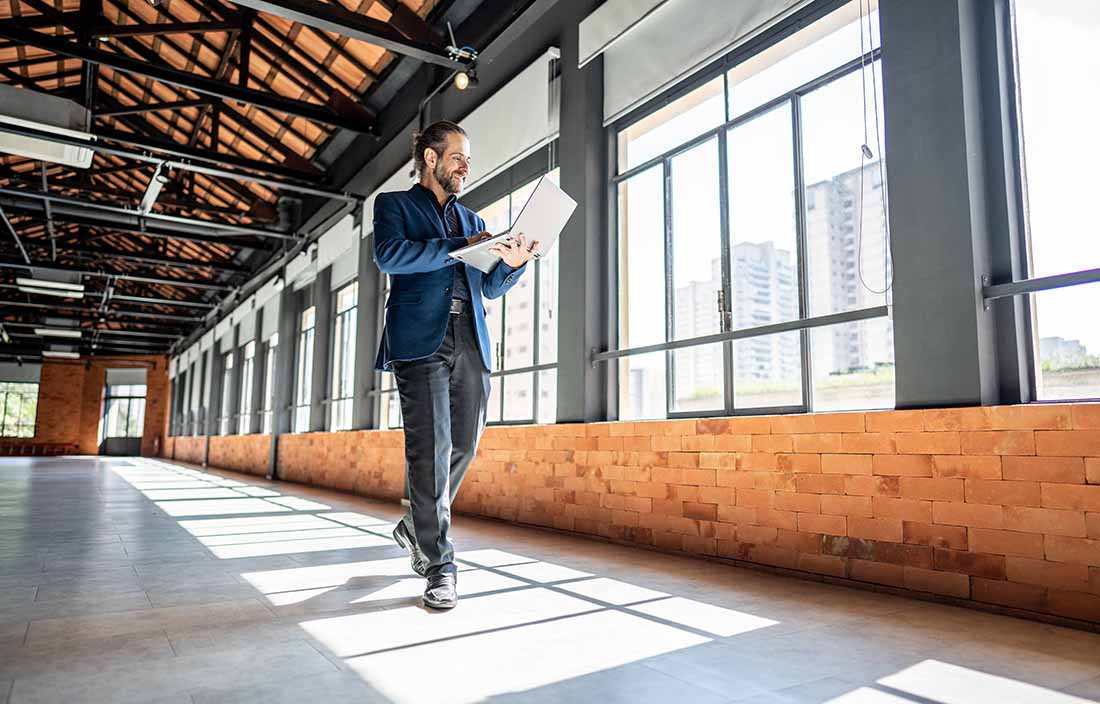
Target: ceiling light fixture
x: 51, y: 292
x: 60, y: 354
x: 465, y: 79
x: 43, y: 283
x: 57, y: 332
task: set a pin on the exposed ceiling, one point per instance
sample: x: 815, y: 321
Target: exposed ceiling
x: 233, y: 103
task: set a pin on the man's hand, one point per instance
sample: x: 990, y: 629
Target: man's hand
x: 515, y: 251
x: 474, y: 239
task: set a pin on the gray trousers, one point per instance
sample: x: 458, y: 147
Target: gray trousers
x: 443, y: 403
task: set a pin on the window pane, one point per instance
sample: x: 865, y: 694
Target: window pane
x: 548, y: 396
x: 697, y: 374
x: 826, y: 44
x: 390, y: 412
x: 853, y: 365
x: 767, y: 371
x: 844, y: 272
x: 1069, y: 346
x: 763, y: 259
x: 136, y: 418
x: 519, y: 396
x: 672, y: 125
x: 641, y: 260
x: 642, y: 386
x: 494, y: 320
x: 496, y: 216
x: 493, y: 412
x: 548, y: 308
x: 519, y: 322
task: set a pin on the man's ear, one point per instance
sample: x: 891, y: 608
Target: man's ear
x: 430, y: 157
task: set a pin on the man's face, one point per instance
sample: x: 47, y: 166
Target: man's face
x: 453, y: 166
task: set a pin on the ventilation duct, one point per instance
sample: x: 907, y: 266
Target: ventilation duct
x: 39, y: 111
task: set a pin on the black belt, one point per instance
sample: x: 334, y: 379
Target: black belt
x: 459, y: 306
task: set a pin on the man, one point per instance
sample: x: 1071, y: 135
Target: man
x: 436, y: 342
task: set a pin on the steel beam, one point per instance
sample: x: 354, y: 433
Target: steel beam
x: 138, y: 109
x: 338, y: 20
x: 190, y: 81
x: 186, y: 283
x: 157, y: 29
x: 93, y: 314
x: 150, y: 300
x: 140, y: 257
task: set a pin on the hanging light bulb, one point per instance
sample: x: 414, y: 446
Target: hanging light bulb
x: 465, y: 79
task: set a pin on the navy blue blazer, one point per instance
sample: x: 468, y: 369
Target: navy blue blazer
x: 411, y: 245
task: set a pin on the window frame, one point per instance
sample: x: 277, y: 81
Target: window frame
x: 342, y: 319
x: 4, y: 392
x: 129, y: 398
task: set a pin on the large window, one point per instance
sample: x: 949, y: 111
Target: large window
x: 18, y: 409
x: 753, y: 201
x: 272, y: 347
x: 1057, y: 61
x: 303, y: 383
x: 124, y: 410
x: 248, y: 366
x: 227, y: 394
x: 523, y: 327
x: 343, y: 357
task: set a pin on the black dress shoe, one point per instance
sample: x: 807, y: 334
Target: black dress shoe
x: 440, y: 592
x: 417, y: 560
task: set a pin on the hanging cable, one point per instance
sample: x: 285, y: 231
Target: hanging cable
x: 866, y: 153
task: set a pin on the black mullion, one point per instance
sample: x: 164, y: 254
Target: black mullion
x: 802, y: 252
x: 726, y: 236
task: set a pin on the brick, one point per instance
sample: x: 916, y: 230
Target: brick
x: 701, y: 512
x: 1004, y: 542
x: 1004, y: 493
x: 1085, y: 416
x: 822, y: 564
x: 700, y: 477
x: 1031, y: 417
x: 1067, y: 443
x: 1092, y: 525
x: 733, y: 479
x: 819, y: 483
x: 652, y: 490
x: 1094, y: 580
x: 802, y: 503
x: 946, y: 443
x: 1045, y: 520
x: 799, y: 541
x: 1065, y: 470
x: 947, y: 419
x: 787, y: 520
x: 1077, y: 550
x: 640, y: 505
x: 952, y: 513
x: 846, y: 464
x: 839, y: 422
x: 751, y: 425
x: 932, y: 489
x: 792, y: 424
x: 877, y: 573
x: 918, y: 533
x: 1092, y: 470
x: 798, y: 463
x: 834, y: 505
x: 759, y: 462
x: 905, y: 509
x: 683, y: 492
x: 946, y: 583
x: 1078, y: 605
x: 1012, y: 594
x: 624, y: 518
x: 736, y: 514
x: 971, y: 563
x: 818, y: 442
x: 754, y: 498
x: 1043, y: 573
x: 885, y: 529
x: 967, y: 466
x: 772, y: 443
x: 902, y: 465
x: 698, y: 443
x: 868, y: 443
x: 685, y: 460
x: 733, y: 443
x: 716, y: 460
x: 999, y: 442
x: 717, y: 495
x: 700, y: 546
x: 872, y: 486
x: 894, y: 421
x: 1084, y: 498
x: 667, y: 507
x: 830, y: 525
x: 667, y: 475
x: 668, y: 541
x: 757, y: 535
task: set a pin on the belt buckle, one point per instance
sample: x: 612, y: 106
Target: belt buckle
x: 456, y: 306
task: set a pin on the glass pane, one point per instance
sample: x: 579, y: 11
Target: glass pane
x: 853, y: 365
x: 548, y: 396
x: 1069, y: 345
x: 642, y: 386
x: 764, y: 241
x: 697, y: 374
x: 826, y: 44
x: 672, y: 125
x: 347, y: 297
x: 767, y: 371
x: 308, y: 318
x: 390, y: 412
x: 642, y: 260
x: 494, y: 321
x: 136, y: 418
x: 696, y: 242
x: 845, y: 232
x: 548, y: 307
x: 519, y: 397
x: 341, y: 415
x: 519, y: 323
x: 496, y: 216
x: 337, y: 356
x: 1056, y: 45
x: 493, y: 412
x: 115, y: 417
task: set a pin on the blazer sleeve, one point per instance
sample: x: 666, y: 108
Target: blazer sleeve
x: 395, y: 253
x: 500, y: 279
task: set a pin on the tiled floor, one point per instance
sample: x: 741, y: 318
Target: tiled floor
x: 138, y: 581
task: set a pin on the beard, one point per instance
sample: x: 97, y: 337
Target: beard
x: 450, y: 181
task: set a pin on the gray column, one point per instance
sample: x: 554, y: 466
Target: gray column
x: 944, y: 340
x: 366, y: 337
x: 257, y: 375
x: 216, y: 362
x: 234, y: 389
x: 584, y: 324
x: 283, y: 378
x: 322, y: 345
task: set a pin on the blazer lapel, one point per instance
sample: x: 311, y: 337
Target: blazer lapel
x: 423, y: 201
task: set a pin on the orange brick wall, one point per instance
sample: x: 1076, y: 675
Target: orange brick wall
x: 250, y: 454
x: 70, y: 401
x: 187, y: 448
x: 998, y: 505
